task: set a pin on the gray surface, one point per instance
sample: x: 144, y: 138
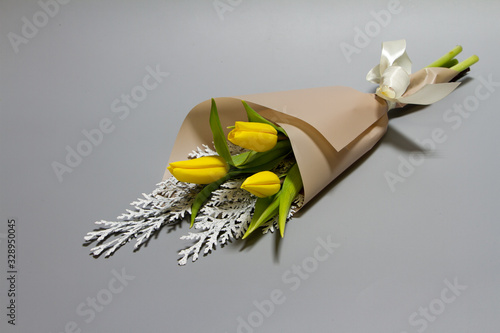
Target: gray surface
x: 397, y: 249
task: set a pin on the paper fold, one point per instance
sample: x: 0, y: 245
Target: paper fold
x: 428, y: 86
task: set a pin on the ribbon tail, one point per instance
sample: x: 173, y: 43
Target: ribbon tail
x: 430, y: 93
x: 394, y: 53
x: 373, y: 75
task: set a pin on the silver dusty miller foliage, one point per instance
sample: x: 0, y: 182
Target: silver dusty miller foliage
x: 224, y: 217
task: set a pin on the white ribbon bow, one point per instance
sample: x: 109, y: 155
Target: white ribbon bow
x: 393, y: 77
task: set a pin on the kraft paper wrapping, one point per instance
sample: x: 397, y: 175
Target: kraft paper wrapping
x: 329, y: 127
x: 428, y: 76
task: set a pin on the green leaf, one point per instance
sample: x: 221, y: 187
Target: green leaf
x: 204, y: 194
x: 218, y: 134
x: 264, y: 167
x: 265, y: 209
x: 256, y: 160
x: 291, y: 187
x: 253, y: 116
x: 242, y: 158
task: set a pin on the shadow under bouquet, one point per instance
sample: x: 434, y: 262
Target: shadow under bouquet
x: 250, y: 162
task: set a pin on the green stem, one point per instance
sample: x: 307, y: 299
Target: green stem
x: 447, y: 57
x: 451, y: 63
x: 205, y: 193
x: 265, y: 209
x: 465, y: 64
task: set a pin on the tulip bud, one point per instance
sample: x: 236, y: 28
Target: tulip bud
x: 262, y: 184
x: 255, y: 136
x: 203, y: 170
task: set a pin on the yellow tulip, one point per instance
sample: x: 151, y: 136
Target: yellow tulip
x: 255, y: 136
x: 262, y: 184
x: 203, y: 170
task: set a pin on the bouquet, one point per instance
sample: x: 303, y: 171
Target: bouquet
x: 245, y: 163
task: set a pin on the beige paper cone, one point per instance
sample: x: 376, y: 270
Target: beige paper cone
x: 329, y: 127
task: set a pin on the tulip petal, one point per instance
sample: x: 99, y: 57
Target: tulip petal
x: 201, y: 162
x: 258, y: 137
x: 199, y: 176
x: 203, y: 170
x: 255, y: 127
x: 254, y: 117
x: 262, y: 184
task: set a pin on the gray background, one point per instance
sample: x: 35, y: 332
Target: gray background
x: 399, y: 250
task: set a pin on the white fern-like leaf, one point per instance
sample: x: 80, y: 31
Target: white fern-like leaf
x: 169, y: 203
x: 223, y: 218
